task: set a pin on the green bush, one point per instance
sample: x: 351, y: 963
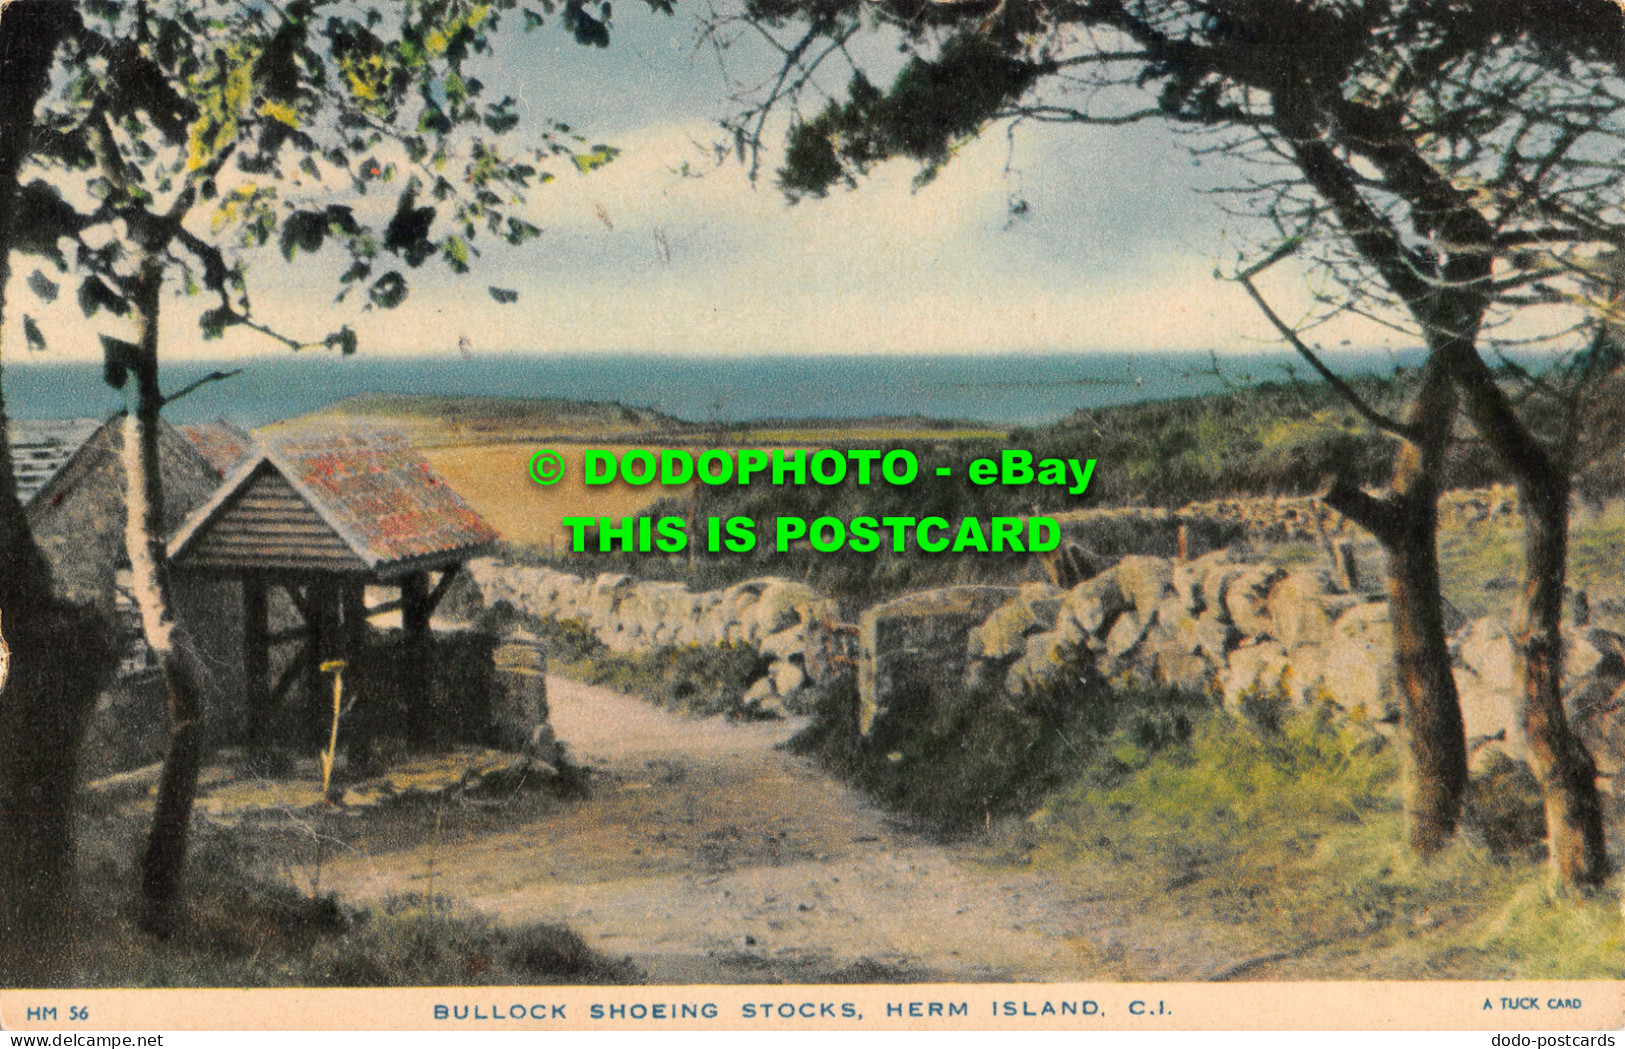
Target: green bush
x: 965, y: 756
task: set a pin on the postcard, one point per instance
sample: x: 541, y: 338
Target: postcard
x: 863, y: 515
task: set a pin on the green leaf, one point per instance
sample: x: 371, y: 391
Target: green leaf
x: 118, y: 357
x: 455, y: 251
x: 215, y: 322
x: 94, y: 294
x: 388, y: 291
x: 597, y: 158
x: 503, y: 295
x: 32, y: 334
x: 43, y: 286
x: 302, y: 231
x: 408, y: 232
x: 343, y: 340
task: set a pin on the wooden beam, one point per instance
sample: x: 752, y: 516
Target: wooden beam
x: 447, y: 577
x: 301, y: 599
x: 256, y: 662
x: 323, y: 598
x: 415, y: 626
x: 285, y: 680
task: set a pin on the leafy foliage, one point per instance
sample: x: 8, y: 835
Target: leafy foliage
x: 256, y: 121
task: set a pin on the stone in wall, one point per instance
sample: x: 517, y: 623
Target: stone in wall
x: 918, y: 641
x: 789, y: 621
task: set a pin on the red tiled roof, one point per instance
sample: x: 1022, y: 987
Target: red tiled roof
x: 224, y: 445
x: 376, y: 494
x: 380, y: 494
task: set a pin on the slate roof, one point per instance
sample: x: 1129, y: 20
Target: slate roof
x: 369, y: 487
x: 224, y: 444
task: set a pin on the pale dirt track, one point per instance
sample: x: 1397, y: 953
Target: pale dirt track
x: 707, y: 856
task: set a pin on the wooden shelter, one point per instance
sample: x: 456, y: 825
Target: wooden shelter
x: 322, y: 516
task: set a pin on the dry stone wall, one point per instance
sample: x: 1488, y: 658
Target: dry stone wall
x: 789, y: 622
x: 1233, y: 629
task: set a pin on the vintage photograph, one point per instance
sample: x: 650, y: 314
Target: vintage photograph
x: 813, y: 492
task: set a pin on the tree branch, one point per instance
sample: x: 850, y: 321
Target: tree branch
x: 1390, y: 426
x: 211, y: 377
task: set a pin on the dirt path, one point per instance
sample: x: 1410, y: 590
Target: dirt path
x: 710, y: 857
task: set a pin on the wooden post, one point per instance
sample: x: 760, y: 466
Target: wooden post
x: 322, y: 612
x: 256, y: 662
x: 354, y: 609
x: 355, y: 623
x: 1184, y: 542
x: 415, y: 610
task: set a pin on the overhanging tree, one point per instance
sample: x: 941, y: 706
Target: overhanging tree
x: 187, y: 140
x: 1445, y: 167
x: 59, y: 652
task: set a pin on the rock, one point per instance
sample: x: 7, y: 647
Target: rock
x: 1003, y: 635
x: 1190, y: 578
x: 1245, y: 599
x: 918, y: 641
x: 1145, y: 581
x: 1358, y: 666
x: 761, y: 698
x: 1303, y: 606
x: 1596, y: 701
x: 1122, y: 640
x: 1046, y: 656
x: 1214, y: 582
x: 787, y: 677
x: 1485, y: 679
x: 1484, y: 649
x: 782, y: 604
x: 1258, y: 667
x: 786, y: 643
x: 1095, y: 603
x: 1185, y: 650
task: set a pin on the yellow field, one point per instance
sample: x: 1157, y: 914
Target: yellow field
x: 495, y: 480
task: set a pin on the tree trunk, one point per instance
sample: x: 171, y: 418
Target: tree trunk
x: 1406, y: 523
x: 60, y: 653
x: 1565, y: 769
x: 165, y: 856
x: 1560, y: 761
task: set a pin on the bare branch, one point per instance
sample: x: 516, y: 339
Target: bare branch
x: 211, y: 377
x: 1390, y: 426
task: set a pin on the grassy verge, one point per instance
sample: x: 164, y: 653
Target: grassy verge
x: 1293, y: 837
x: 1276, y: 835
x: 243, y: 930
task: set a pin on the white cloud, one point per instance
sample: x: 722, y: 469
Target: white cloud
x: 637, y: 257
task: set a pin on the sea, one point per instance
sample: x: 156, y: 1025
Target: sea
x: 1002, y: 390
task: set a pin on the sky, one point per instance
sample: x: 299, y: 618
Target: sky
x: 1117, y: 252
